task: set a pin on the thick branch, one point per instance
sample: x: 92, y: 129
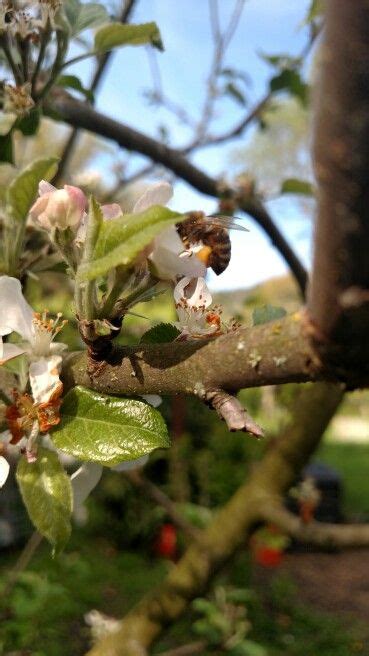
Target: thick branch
x: 81, y: 115
x: 228, y: 531
x: 273, y: 353
x: 345, y: 536
x: 339, y: 293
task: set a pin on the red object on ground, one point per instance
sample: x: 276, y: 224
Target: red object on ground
x: 268, y: 556
x: 165, y: 544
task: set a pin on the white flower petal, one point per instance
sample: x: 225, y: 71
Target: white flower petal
x: 9, y: 351
x: 166, y: 257
x: 157, y: 194
x: 44, y: 377
x: 154, y: 399
x: 196, y: 293
x: 84, y: 480
x: 45, y: 187
x: 131, y: 464
x: 111, y: 211
x: 4, y: 470
x: 17, y: 314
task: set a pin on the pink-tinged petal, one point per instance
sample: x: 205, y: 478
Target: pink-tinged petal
x: 44, y: 377
x: 77, y: 197
x: 157, y: 194
x: 9, y: 351
x: 59, y: 208
x: 131, y: 464
x: 17, y: 315
x: 4, y: 470
x: 84, y: 480
x: 112, y: 211
x: 38, y: 211
x: 45, y: 187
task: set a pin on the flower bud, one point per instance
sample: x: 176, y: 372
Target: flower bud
x: 59, y: 208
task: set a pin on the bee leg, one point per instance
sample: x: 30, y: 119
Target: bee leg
x: 232, y: 412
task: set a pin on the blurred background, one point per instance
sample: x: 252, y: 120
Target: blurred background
x: 277, y: 597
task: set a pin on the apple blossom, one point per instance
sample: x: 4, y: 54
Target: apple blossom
x: 36, y: 329
x: 192, y: 299
x: 59, y: 208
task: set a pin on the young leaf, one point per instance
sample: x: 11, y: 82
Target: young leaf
x: 23, y: 189
x: 295, y: 186
x: 115, y: 34
x: 120, y: 240
x: 73, y: 82
x: 91, y: 14
x: 290, y: 80
x: 108, y: 429
x: 267, y: 313
x: 231, y: 89
x: 160, y: 334
x: 47, y: 494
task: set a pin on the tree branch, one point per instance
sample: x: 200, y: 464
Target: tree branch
x: 339, y: 292
x: 81, y: 115
x: 345, y: 536
x: 230, y: 528
x: 273, y: 353
x: 102, y: 63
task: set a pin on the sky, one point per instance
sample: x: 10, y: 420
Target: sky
x: 268, y: 26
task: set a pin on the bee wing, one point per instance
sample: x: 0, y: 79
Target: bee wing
x: 225, y: 221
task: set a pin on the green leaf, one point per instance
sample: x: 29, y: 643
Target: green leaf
x: 295, y: 186
x: 115, y: 34
x: 232, y: 90
x: 120, y: 240
x: 47, y: 494
x: 22, y: 191
x: 29, y: 124
x: 267, y: 313
x: 73, y: 82
x: 6, y: 148
x: 108, y: 429
x: 160, y: 334
x: 316, y: 9
x: 290, y: 80
x: 91, y: 14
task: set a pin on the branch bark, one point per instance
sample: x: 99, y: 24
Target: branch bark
x: 229, y: 530
x: 345, y: 536
x: 273, y: 353
x: 339, y: 293
x: 81, y: 115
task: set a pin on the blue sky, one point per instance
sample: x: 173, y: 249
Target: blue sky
x: 270, y: 26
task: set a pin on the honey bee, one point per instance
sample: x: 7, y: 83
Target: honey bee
x: 211, y: 233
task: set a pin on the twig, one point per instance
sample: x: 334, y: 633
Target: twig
x: 95, y: 83
x: 232, y: 412
x: 139, y: 480
x: 345, y: 536
x: 80, y: 115
x: 22, y: 563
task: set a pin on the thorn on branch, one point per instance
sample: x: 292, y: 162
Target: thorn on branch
x: 232, y: 412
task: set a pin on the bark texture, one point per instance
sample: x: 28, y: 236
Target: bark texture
x: 314, y: 407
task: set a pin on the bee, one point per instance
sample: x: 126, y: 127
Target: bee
x: 211, y: 234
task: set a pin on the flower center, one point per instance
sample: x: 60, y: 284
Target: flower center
x: 44, y: 330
